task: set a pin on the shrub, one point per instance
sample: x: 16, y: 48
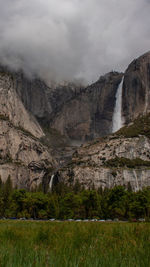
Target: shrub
x: 141, y: 126
x: 125, y: 162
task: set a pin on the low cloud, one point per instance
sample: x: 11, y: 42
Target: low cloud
x: 70, y: 39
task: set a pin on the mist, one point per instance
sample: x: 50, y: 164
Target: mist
x: 65, y: 40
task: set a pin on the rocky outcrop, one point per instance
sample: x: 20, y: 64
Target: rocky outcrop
x: 136, y: 88
x: 22, y: 156
x: 12, y: 107
x: 110, y: 161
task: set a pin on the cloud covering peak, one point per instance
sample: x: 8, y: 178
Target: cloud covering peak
x: 69, y: 39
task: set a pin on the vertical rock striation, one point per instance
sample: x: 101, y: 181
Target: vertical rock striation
x: 136, y: 88
x: 77, y: 112
x: 22, y: 156
x: 106, y: 162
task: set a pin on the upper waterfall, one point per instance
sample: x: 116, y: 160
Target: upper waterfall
x: 117, y: 121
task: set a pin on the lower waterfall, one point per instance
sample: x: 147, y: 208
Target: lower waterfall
x: 117, y: 121
x: 51, y: 182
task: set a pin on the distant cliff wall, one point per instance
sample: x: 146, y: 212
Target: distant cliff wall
x: 136, y: 88
x: 77, y: 112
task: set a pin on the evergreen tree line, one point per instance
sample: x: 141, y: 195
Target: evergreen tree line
x: 66, y: 202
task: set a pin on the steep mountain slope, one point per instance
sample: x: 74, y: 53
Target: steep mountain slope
x: 118, y: 159
x: 22, y: 156
x: 136, y: 88
x: 76, y: 112
x: 12, y: 108
x: 84, y: 113
x: 89, y: 114
x: 69, y: 115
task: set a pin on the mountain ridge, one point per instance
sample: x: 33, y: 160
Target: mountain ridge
x: 39, y: 125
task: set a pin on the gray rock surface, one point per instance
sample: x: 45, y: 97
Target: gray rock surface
x: 136, y: 88
x: 84, y: 113
x: 12, y: 107
x: 88, y: 115
x: 22, y: 156
x: 70, y: 112
x: 89, y: 167
x: 76, y: 112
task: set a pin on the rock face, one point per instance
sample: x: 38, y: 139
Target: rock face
x: 22, y: 156
x: 84, y: 113
x: 95, y: 163
x: 89, y: 114
x: 76, y: 112
x: 12, y: 108
x: 136, y: 88
x: 70, y: 112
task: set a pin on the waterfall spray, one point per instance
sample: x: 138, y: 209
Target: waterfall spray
x: 117, y: 121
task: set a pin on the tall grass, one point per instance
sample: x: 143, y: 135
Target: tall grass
x: 74, y: 244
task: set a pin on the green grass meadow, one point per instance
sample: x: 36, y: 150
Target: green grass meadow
x: 73, y: 244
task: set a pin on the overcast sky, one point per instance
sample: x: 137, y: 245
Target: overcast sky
x: 68, y: 39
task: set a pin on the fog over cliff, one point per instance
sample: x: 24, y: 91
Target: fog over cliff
x: 69, y: 39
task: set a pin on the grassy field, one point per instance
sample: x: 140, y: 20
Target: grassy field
x: 72, y: 244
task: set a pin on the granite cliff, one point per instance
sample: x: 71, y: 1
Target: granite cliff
x: 119, y: 159
x: 22, y: 156
x: 38, y: 121
x: 69, y: 114
x: 79, y: 113
x: 83, y: 113
x: 136, y: 88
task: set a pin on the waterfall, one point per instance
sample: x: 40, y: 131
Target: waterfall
x: 117, y: 122
x: 51, y: 182
x: 137, y: 184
